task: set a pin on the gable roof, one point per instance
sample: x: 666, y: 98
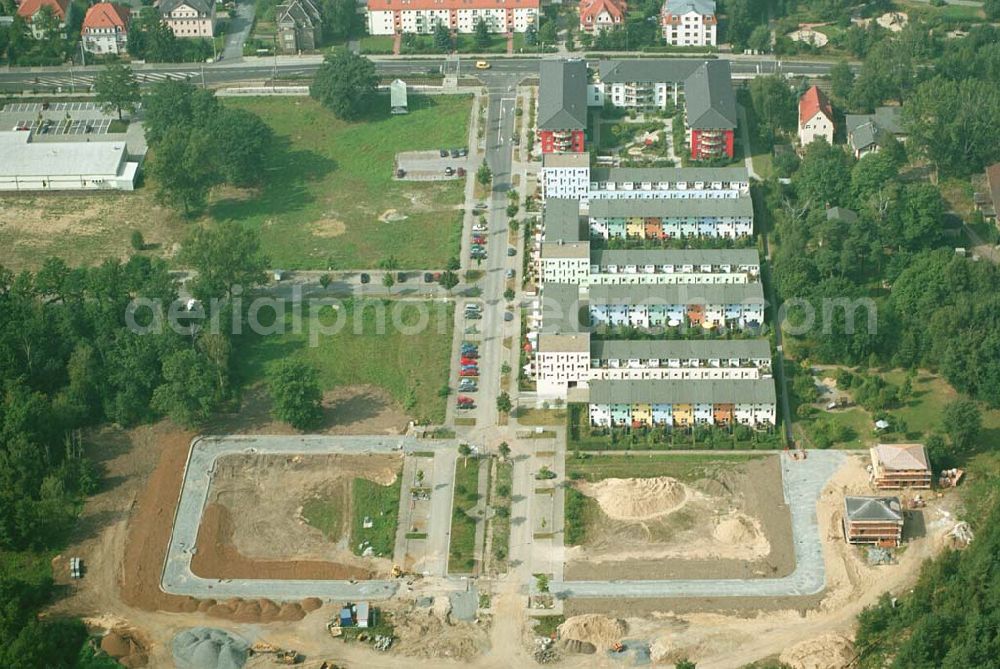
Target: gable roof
x: 841, y: 214
x: 562, y: 97
x: 876, y: 509
x: 890, y: 119
x: 200, y: 6
x: 29, y: 8
x: 862, y: 135
x: 300, y: 12
x: 107, y: 15
x: 709, y: 97
x: 812, y: 102
x: 648, y: 70
x: 681, y: 7
x: 592, y: 8
x: 901, y: 456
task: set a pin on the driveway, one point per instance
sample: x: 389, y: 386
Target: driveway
x: 238, y: 30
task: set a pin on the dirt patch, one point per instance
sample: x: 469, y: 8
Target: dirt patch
x: 254, y: 516
x: 734, y: 525
x: 426, y: 632
x: 601, y: 631
x: 125, y: 647
x: 328, y: 227
x: 830, y: 651
x: 392, y: 216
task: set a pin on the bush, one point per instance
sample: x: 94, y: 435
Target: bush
x: 137, y: 240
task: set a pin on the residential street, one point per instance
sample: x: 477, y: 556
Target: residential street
x: 238, y: 30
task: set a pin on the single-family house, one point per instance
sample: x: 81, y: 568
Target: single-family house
x: 815, y: 116
x: 867, y: 132
x: 873, y: 520
x: 28, y: 10
x: 105, y: 28
x: 598, y: 15
x: 562, y: 106
x: 189, y: 18
x: 300, y: 26
x: 689, y: 22
x: 900, y: 466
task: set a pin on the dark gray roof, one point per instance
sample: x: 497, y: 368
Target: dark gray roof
x: 721, y: 293
x: 669, y: 174
x: 755, y: 391
x: 841, y: 214
x: 648, y: 70
x: 873, y: 509
x: 201, y: 6
x: 862, y: 135
x: 561, y: 220
x: 300, y: 12
x: 681, y: 7
x: 863, y: 130
x: 615, y: 208
x: 562, y: 97
x: 666, y: 349
x: 890, y: 119
x: 709, y: 97
x: 561, y: 307
x: 676, y: 257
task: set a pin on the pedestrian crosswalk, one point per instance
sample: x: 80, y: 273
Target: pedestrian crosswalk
x: 67, y: 81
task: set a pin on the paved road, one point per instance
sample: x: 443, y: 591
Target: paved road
x: 239, y: 30
x: 262, y: 68
x: 802, y: 481
x: 177, y: 577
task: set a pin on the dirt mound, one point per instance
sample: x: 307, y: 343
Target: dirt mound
x: 637, y: 499
x: 123, y: 647
x: 268, y: 610
x: 601, y: 631
x: 312, y: 603
x: 115, y: 645
x: 247, y: 612
x: 737, y: 529
x: 830, y: 651
x: 290, y: 612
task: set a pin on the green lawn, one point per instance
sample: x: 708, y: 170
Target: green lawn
x: 411, y: 367
x: 467, y: 44
x: 684, y: 466
x: 328, y: 181
x: 501, y: 520
x: 376, y: 44
x: 462, y: 548
x: 325, y: 516
x: 380, y: 503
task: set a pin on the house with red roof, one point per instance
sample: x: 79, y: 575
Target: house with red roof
x: 105, y: 28
x: 598, y: 15
x: 815, y: 116
x: 29, y: 9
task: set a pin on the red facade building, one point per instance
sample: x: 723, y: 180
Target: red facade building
x: 562, y: 106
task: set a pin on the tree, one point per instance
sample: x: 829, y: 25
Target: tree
x: 175, y: 105
x: 345, y: 83
x: 325, y: 280
x: 482, y: 35
x: 188, y: 393
x: 760, y: 39
x: 464, y: 450
x: 296, y: 394
x: 504, y: 449
x: 137, y: 240
x: 339, y: 18
x: 992, y: 9
x: 442, y: 38
x: 841, y: 81
x: 962, y: 421
x: 388, y: 280
x: 531, y: 34
x: 149, y: 38
x: 547, y: 33
x: 503, y: 402
x: 685, y: 664
x: 484, y: 175
x: 225, y: 255
x: 242, y: 141
x: 871, y: 174
x: 448, y: 279
x: 183, y: 169
x: 508, y: 294
x: 542, y: 582
x: 824, y: 177
x: 116, y: 89
x: 773, y: 103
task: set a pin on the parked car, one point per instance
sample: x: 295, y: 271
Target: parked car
x: 463, y: 152
x: 473, y: 315
x: 428, y: 277
x: 461, y: 171
x: 462, y: 399
x: 468, y: 386
x: 479, y: 227
x: 468, y: 361
x: 449, y: 171
x: 443, y: 153
x: 454, y: 153
x: 400, y: 173
x: 468, y: 372
x: 511, y: 273
x: 473, y: 306
x: 400, y: 277
x: 480, y: 206
x: 507, y: 316
x: 466, y: 405
x: 470, y: 355
x: 479, y: 240
x: 511, y: 251
x: 365, y: 278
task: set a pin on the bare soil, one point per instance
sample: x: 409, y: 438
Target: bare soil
x: 252, y: 526
x: 735, y: 525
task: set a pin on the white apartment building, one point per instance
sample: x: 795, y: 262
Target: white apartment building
x: 645, y: 84
x: 577, y: 263
x: 669, y: 306
x: 390, y: 17
x: 689, y: 22
x: 565, y: 175
x: 671, y: 218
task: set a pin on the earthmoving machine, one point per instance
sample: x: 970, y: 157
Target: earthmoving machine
x: 281, y: 655
x: 286, y: 657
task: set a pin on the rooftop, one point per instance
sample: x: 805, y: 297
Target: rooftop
x: 106, y: 15
x: 813, y: 101
x: 681, y: 208
x: 671, y: 294
x: 681, y: 7
x: 662, y: 391
x: 648, y: 70
x: 29, y: 8
x: 841, y: 214
x: 670, y: 174
x: 709, y: 97
x: 578, y: 159
x: 559, y: 249
x: 900, y: 457
x: 562, y: 97
x: 593, y: 8
x: 676, y: 257
x: 873, y: 509
x: 561, y: 220
x: 409, y: 5
x: 564, y: 343
x: 26, y: 158
x: 561, y: 306
x: 692, y: 349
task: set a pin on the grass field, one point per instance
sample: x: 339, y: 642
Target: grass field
x: 324, y: 515
x: 686, y: 467
x: 376, y: 44
x: 410, y: 367
x: 501, y: 519
x: 462, y: 548
x: 531, y: 416
x: 381, y: 505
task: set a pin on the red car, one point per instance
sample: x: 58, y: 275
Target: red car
x: 478, y: 239
x: 464, y: 399
x: 468, y: 361
x: 469, y: 372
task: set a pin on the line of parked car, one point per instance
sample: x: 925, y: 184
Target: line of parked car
x: 479, y: 229
x: 468, y: 373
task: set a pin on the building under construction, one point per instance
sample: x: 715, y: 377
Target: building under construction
x: 900, y: 466
x: 873, y: 520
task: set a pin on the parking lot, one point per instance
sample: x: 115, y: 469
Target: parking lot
x: 429, y: 166
x: 35, y: 107
x: 98, y: 126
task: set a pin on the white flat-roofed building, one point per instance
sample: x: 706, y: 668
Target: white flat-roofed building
x: 565, y: 175
x: 27, y: 165
x: 389, y: 17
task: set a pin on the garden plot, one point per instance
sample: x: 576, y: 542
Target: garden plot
x: 664, y: 518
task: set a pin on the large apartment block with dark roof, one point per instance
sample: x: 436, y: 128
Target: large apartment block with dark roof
x: 562, y: 106
x: 710, y: 106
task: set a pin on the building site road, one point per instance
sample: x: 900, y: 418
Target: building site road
x: 802, y: 482
x: 177, y: 577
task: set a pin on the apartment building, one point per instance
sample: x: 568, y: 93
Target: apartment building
x: 646, y: 307
x: 668, y: 219
x: 390, y: 17
x: 710, y: 111
x: 565, y: 175
x: 189, y: 18
x: 562, y: 106
x: 105, y: 28
x: 689, y: 22
x: 655, y: 183
x: 645, y: 84
x: 815, y: 117
x: 682, y: 404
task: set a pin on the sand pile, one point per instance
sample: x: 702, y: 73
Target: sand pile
x: 637, y: 499
x: 830, y: 651
x: 737, y: 529
x: 120, y: 645
x: 601, y: 631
